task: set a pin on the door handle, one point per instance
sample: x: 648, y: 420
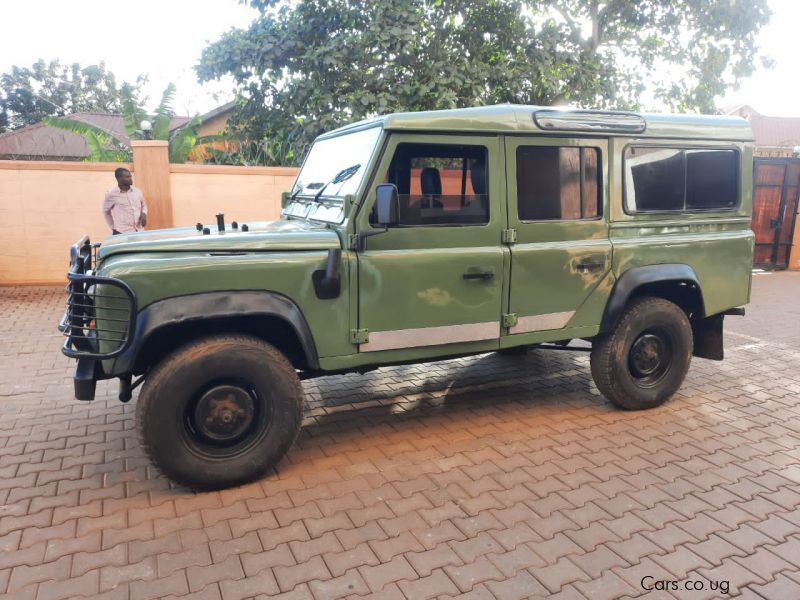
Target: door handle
x: 590, y: 265
x: 482, y: 275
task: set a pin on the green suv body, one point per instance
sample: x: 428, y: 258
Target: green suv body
x: 421, y: 236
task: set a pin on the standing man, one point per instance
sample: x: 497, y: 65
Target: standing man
x: 123, y: 207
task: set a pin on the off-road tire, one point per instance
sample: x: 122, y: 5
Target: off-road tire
x: 228, y: 381
x: 621, y: 374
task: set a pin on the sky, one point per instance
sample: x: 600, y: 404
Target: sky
x: 160, y: 38
x: 776, y: 91
x: 164, y: 39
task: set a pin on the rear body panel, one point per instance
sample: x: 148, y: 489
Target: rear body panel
x: 717, y: 245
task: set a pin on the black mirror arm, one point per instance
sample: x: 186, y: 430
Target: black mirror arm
x: 362, y: 235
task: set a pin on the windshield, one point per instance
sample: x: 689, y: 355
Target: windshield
x: 336, y: 166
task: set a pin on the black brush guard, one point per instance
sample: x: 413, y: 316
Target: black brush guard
x: 83, y: 332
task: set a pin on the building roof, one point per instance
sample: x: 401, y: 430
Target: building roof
x: 220, y: 110
x: 42, y: 142
x: 771, y: 132
x: 512, y: 118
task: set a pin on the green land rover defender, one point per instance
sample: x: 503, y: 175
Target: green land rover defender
x: 415, y: 237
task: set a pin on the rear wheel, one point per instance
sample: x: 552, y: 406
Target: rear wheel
x: 219, y: 412
x: 644, y: 361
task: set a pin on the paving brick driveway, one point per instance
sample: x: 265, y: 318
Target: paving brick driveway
x: 487, y: 477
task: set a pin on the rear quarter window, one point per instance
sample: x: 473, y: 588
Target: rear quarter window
x: 672, y: 179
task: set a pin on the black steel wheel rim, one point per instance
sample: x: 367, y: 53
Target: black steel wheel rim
x: 225, y: 419
x: 650, y: 357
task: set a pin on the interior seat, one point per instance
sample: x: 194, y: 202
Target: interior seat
x: 431, y: 184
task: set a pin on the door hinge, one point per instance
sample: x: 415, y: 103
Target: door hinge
x: 359, y: 336
x: 509, y: 236
x: 352, y: 241
x: 509, y: 320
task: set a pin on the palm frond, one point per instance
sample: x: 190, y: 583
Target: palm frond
x: 132, y: 113
x: 183, y: 140
x: 78, y: 127
x: 100, y: 152
x: 164, y: 114
x: 104, y: 146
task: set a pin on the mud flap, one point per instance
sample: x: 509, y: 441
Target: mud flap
x: 708, y: 341
x: 85, y: 379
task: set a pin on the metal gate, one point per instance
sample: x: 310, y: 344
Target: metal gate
x: 776, y: 186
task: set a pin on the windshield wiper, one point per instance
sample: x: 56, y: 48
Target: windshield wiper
x: 300, y: 189
x: 340, y: 177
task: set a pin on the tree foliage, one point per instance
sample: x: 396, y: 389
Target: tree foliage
x: 105, y: 146
x: 311, y: 65
x: 29, y: 94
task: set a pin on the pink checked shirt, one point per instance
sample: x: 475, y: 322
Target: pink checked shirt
x: 123, y: 210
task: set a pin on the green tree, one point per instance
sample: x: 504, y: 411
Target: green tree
x: 104, y: 146
x: 310, y: 65
x: 29, y: 94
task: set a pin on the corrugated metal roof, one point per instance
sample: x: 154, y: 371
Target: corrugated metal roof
x: 42, y: 142
x: 774, y: 132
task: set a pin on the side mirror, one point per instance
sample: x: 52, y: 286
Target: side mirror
x: 388, y: 204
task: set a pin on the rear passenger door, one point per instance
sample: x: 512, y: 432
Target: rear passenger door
x: 557, y: 198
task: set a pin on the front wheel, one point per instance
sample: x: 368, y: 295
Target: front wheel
x: 644, y: 361
x: 219, y: 412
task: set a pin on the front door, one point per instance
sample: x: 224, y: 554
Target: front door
x: 556, y: 201
x: 433, y: 284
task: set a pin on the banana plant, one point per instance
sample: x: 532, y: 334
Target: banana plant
x: 105, y: 146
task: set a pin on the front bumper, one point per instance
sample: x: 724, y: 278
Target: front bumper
x: 99, y: 320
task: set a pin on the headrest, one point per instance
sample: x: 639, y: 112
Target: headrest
x: 478, y: 176
x: 430, y: 182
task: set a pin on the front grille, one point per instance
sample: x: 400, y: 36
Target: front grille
x: 101, y: 311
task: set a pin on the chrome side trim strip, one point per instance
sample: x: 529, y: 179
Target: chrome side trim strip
x: 541, y: 322
x: 430, y: 336
x: 686, y: 223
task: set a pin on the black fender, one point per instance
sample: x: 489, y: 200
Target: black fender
x: 635, y: 278
x: 212, y: 305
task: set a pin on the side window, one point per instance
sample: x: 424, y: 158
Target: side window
x: 712, y: 179
x: 680, y: 179
x: 558, y: 183
x: 441, y: 184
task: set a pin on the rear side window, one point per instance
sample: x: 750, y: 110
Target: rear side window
x: 558, y: 183
x: 680, y: 179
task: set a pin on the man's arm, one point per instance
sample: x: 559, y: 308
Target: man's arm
x: 143, y: 217
x: 108, y: 204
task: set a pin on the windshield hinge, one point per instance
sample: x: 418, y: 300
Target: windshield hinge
x: 359, y: 336
x: 352, y: 241
x: 509, y: 236
x: 509, y: 320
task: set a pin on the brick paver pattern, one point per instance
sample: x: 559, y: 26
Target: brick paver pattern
x: 483, y: 477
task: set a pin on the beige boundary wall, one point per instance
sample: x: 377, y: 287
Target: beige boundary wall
x: 45, y: 207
